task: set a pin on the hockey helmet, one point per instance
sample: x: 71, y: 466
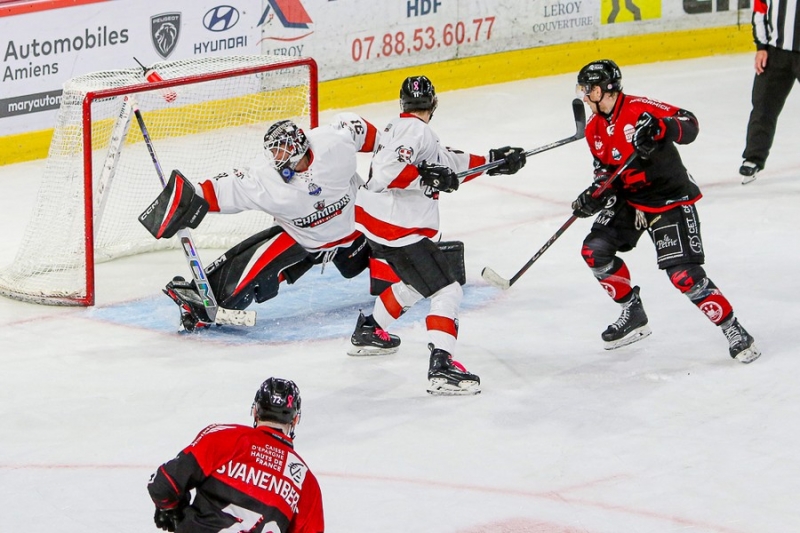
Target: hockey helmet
x: 277, y: 400
x: 418, y: 94
x: 286, y: 143
x: 603, y: 73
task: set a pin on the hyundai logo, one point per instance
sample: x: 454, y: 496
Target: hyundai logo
x: 221, y: 18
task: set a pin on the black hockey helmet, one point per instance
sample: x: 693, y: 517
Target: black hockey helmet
x: 417, y: 94
x: 287, y: 143
x: 277, y: 400
x: 603, y: 73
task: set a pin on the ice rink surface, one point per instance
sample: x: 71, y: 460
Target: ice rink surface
x: 667, y: 435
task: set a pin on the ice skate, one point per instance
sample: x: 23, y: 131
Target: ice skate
x: 630, y: 327
x: 749, y: 170
x: 370, y: 339
x: 193, y: 312
x: 448, y: 377
x: 741, y: 345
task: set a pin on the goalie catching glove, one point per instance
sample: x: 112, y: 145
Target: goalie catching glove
x: 438, y: 177
x: 513, y: 160
x: 177, y: 207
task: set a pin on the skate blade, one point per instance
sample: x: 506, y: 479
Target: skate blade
x: 748, y: 355
x: 367, y: 351
x: 440, y: 387
x: 634, y: 336
x: 749, y: 179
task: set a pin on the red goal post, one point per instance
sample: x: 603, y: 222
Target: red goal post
x: 207, y: 116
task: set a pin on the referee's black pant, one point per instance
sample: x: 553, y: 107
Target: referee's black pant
x: 770, y: 91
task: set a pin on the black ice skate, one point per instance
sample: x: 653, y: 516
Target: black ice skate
x: 193, y: 312
x: 631, y: 326
x: 370, y: 339
x: 749, y: 170
x: 448, y: 377
x: 740, y: 344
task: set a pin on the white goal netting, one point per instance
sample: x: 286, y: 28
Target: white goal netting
x: 99, y: 174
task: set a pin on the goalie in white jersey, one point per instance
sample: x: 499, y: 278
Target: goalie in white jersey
x: 307, y: 183
x: 398, y: 211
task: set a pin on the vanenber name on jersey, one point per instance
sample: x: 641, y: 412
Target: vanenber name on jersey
x: 659, y: 182
x: 256, y: 469
x: 265, y: 480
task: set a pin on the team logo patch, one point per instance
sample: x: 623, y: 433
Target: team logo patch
x: 609, y: 289
x: 628, y: 131
x: 295, y: 470
x: 405, y: 154
x: 713, y: 311
x: 165, y: 30
x: 615, y: 154
x: 319, y: 206
x: 314, y: 189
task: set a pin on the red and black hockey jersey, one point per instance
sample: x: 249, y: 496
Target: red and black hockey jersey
x: 243, y: 475
x: 659, y: 182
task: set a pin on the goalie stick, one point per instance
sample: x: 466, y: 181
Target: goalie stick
x: 218, y: 315
x: 579, y: 113
x: 493, y: 278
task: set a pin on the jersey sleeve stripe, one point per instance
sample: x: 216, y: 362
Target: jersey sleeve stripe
x: 210, y: 195
x: 369, y: 141
x: 474, y: 161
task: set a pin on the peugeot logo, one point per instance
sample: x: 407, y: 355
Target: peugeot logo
x: 221, y: 18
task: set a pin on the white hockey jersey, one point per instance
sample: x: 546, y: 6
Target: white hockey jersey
x: 316, y: 208
x: 394, y: 208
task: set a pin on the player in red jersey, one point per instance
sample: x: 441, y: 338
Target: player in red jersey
x: 249, y: 477
x: 654, y: 194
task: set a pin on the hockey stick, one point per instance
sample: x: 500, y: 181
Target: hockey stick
x: 578, y: 111
x: 493, y: 278
x: 218, y: 315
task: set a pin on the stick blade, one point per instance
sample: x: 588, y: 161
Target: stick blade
x: 235, y: 317
x: 579, y: 111
x: 493, y: 278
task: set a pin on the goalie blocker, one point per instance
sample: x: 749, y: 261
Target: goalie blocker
x: 177, y: 207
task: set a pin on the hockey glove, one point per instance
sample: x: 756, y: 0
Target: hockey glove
x: 168, y: 519
x: 649, y: 130
x: 587, y: 204
x: 438, y: 177
x: 177, y: 207
x: 513, y: 160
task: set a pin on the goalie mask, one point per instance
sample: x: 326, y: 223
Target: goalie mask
x: 277, y: 400
x: 286, y: 143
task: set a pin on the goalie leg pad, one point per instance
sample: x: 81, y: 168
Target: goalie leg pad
x: 251, y: 269
x: 177, y: 207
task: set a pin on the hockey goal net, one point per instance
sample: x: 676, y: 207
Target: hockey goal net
x: 206, y: 116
